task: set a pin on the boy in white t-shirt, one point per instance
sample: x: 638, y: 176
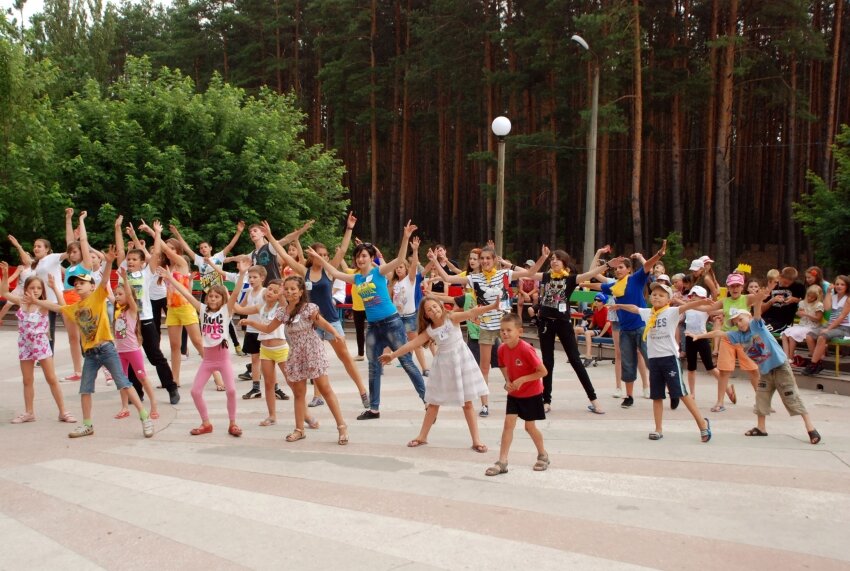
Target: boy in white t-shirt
x: 662, y: 321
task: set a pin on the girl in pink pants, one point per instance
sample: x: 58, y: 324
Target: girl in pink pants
x: 215, y: 318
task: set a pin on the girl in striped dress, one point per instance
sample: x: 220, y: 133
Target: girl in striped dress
x: 456, y: 379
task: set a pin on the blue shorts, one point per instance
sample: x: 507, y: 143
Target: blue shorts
x: 104, y: 355
x: 665, y: 373
x: 410, y: 322
x: 325, y: 336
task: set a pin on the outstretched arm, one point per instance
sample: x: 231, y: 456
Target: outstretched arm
x: 598, y: 270
x: 128, y: 291
x: 648, y: 265
x: 69, y: 226
x: 84, y: 242
x: 26, y: 259
x: 413, y: 268
x: 240, y: 227
x: 4, y: 285
x: 296, y: 266
x: 458, y: 280
x: 417, y: 341
x: 119, y: 240
x: 474, y: 313
x: 175, y: 232
x: 530, y: 272
x: 332, y: 271
x: 296, y: 234
x: 625, y: 307
x: 388, y: 268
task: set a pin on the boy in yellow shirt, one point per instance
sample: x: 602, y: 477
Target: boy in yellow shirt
x: 91, y: 316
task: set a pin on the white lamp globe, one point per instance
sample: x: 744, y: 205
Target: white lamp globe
x: 580, y: 41
x: 501, y: 126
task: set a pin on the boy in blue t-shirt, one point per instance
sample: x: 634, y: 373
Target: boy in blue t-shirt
x: 752, y: 334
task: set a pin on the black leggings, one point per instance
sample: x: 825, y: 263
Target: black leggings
x: 51, y: 318
x: 548, y: 328
x: 360, y: 329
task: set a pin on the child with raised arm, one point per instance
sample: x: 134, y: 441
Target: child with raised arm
x: 125, y: 326
x: 523, y: 371
x: 455, y: 379
x: 320, y: 285
x: 207, y: 275
x: 215, y: 314
x: 751, y: 332
x: 489, y: 284
x: 662, y: 321
x: 695, y: 322
x: 306, y: 358
x: 33, y: 344
x: 98, y: 349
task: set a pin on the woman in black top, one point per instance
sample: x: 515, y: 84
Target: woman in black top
x: 556, y: 287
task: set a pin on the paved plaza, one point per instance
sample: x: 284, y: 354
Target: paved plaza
x: 612, y: 499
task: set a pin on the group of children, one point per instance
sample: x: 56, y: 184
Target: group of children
x: 288, y: 303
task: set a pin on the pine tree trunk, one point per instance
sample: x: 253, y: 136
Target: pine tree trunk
x: 791, y: 166
x: 637, y: 152
x: 373, y: 106
x: 278, y: 48
x: 711, y: 133
x: 456, y: 177
x: 406, y: 184
x: 723, y: 150
x: 826, y: 169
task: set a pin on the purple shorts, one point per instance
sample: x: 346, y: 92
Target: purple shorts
x: 135, y: 360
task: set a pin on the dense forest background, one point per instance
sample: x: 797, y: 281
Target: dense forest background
x: 713, y: 113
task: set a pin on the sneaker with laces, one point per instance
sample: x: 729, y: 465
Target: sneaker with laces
x: 359, y: 358
x: 254, y: 393
x: 82, y: 430
x: 368, y: 415
x: 364, y: 398
x: 147, y: 427
x: 587, y: 361
x: 246, y: 376
x: 628, y: 402
x: 484, y: 412
x: 73, y: 378
x: 280, y: 395
x: 317, y: 401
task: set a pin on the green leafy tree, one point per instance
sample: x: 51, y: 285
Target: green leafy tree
x: 825, y: 212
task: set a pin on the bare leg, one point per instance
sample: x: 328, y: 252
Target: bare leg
x: 330, y: 398
x: 269, y: 377
x: 485, y: 351
x: 618, y: 371
x: 53, y: 382
x: 299, y: 391
x: 692, y: 407
x: 471, y: 422
x: 74, y: 340
x: 341, y: 349
x: 430, y: 418
x: 174, y: 333
x: 657, y: 414
x: 536, y: 437
x: 507, y: 437
x: 28, y: 374
x: 644, y: 372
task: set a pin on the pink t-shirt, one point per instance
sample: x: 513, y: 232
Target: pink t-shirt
x: 520, y: 361
x: 124, y: 327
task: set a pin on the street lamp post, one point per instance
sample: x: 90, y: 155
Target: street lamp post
x: 590, y: 198
x: 501, y: 126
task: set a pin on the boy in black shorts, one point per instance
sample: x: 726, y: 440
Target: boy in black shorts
x: 524, y: 372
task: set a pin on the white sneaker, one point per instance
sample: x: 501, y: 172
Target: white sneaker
x: 147, y: 427
x: 646, y: 393
x: 618, y: 394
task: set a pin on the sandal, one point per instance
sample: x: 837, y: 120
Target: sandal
x: 480, y: 448
x: 234, y: 430
x: 296, y: 435
x: 655, y: 436
x: 26, y: 417
x: 720, y: 408
x: 733, y: 396
x: 814, y: 436
x: 121, y: 414
x: 415, y: 443
x: 203, y: 429
x: 542, y: 463
x: 343, y: 434
x: 67, y: 417
x: 154, y: 415
x: 755, y: 431
x: 312, y: 423
x: 268, y: 422
x: 496, y: 469
x: 705, y: 435
x: 219, y: 388
x: 594, y: 410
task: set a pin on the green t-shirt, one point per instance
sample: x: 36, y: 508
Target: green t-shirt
x: 729, y: 303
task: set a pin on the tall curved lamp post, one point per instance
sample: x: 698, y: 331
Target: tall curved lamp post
x: 501, y: 126
x: 590, y: 198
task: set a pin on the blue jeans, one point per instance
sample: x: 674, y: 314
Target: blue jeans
x: 104, y: 355
x: 390, y: 333
x: 630, y: 343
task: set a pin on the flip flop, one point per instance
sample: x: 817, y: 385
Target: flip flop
x: 734, y: 396
x: 415, y: 443
x: 755, y: 432
x: 705, y: 434
x: 122, y: 414
x: 592, y: 409
x: 718, y: 409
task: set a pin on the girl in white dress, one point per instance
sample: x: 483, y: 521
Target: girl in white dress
x: 456, y: 379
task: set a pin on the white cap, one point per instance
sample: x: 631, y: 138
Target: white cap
x: 698, y: 291
x: 735, y: 313
x: 529, y: 262
x: 665, y: 287
x: 706, y: 260
x: 697, y: 264
x: 663, y: 277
